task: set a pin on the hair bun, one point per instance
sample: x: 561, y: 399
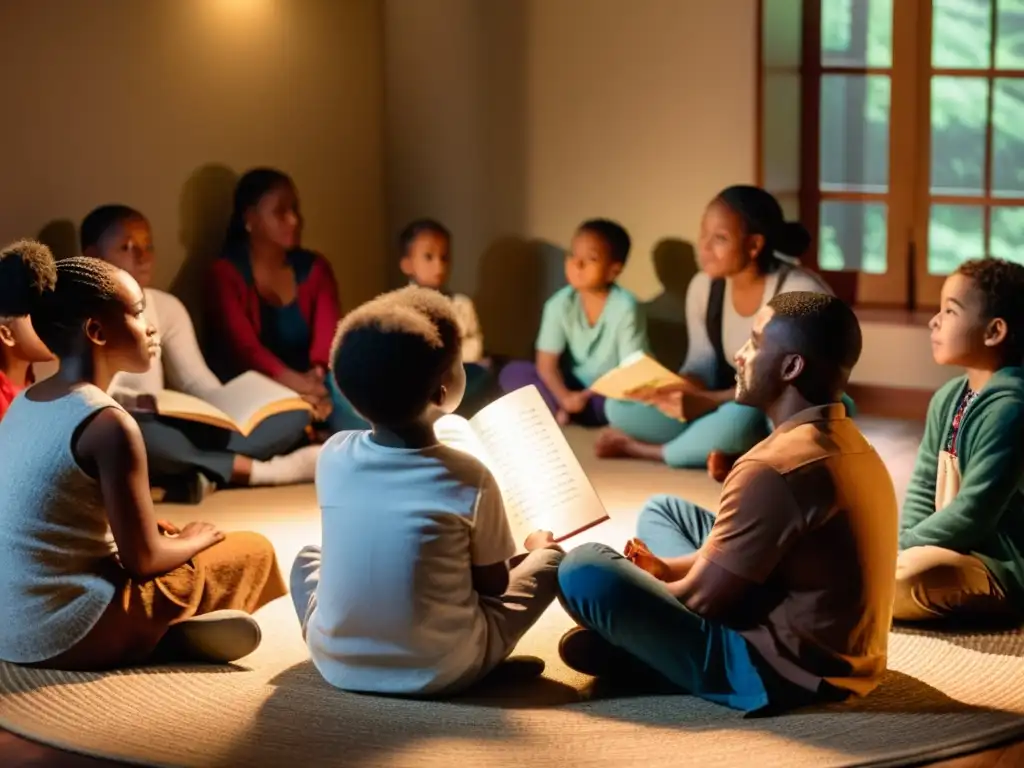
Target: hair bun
x: 794, y: 239
x: 28, y: 273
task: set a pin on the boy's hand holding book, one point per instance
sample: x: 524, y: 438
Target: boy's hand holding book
x: 541, y: 540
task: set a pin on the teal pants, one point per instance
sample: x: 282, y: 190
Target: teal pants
x: 733, y: 429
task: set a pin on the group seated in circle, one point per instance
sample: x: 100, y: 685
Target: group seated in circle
x: 782, y: 599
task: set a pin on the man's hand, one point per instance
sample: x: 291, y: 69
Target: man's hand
x: 639, y: 555
x: 167, y: 528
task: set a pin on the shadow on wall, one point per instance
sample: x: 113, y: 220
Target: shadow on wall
x: 675, y: 264
x: 61, y: 237
x: 204, y: 209
x: 516, y: 277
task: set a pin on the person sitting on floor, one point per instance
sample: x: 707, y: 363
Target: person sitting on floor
x: 423, y: 523
x: 425, y: 247
x: 588, y: 327
x: 90, y: 579
x: 962, y: 532
x: 20, y: 348
x: 742, y: 232
x: 180, y: 452
x: 275, y: 303
x: 784, y: 598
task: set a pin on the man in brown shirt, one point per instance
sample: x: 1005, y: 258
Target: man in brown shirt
x: 786, y: 597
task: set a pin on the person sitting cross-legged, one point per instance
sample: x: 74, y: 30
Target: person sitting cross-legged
x: 785, y: 598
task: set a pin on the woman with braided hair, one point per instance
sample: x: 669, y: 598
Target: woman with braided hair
x: 90, y: 578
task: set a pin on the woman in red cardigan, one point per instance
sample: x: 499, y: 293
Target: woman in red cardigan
x: 273, y: 304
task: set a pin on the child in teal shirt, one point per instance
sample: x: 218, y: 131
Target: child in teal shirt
x: 962, y: 532
x: 587, y: 329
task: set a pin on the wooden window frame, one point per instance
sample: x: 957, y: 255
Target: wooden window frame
x: 896, y: 287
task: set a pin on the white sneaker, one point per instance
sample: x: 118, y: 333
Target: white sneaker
x: 218, y: 637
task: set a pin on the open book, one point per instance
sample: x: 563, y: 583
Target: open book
x: 637, y: 370
x: 240, y: 405
x: 541, y: 480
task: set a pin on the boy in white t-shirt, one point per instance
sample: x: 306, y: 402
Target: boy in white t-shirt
x: 411, y: 592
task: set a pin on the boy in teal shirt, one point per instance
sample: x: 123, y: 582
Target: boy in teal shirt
x: 962, y: 532
x: 587, y: 329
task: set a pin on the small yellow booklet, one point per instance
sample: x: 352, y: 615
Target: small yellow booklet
x: 240, y: 405
x: 636, y: 371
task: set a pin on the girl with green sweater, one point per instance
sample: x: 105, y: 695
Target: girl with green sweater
x: 962, y: 531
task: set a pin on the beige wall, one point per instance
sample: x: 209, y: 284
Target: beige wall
x: 160, y: 103
x: 513, y: 120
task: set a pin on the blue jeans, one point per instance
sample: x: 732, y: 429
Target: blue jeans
x: 635, y: 612
x: 176, y: 447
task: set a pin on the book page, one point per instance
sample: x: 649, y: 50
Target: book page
x: 178, y: 405
x: 252, y: 397
x: 455, y: 432
x: 541, y: 480
x: 637, y: 370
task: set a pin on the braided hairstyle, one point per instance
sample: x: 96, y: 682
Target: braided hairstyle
x: 59, y: 296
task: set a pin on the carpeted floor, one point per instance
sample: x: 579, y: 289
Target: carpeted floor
x: 944, y: 696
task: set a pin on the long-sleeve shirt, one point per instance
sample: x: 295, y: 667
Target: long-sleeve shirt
x: 236, y: 305
x: 986, y: 517
x: 469, y: 326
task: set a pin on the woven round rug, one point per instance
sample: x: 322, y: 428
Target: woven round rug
x: 945, y: 695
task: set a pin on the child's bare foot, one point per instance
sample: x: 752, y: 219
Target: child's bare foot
x: 562, y: 417
x: 720, y: 465
x: 612, y: 444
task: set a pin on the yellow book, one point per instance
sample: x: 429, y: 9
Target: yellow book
x: 240, y: 405
x: 636, y: 371
x: 541, y: 480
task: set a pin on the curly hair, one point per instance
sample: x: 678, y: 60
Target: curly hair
x: 1001, y: 285
x: 59, y: 296
x: 391, y: 354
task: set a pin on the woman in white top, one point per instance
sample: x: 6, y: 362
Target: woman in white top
x: 742, y: 234
x: 90, y: 579
x: 183, y: 454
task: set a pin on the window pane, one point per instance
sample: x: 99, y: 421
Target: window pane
x: 781, y: 131
x: 959, y: 108
x: 855, y: 132
x: 781, y: 33
x: 955, y: 234
x: 1008, y: 138
x: 853, y: 237
x: 1008, y: 234
x: 856, y: 33
x: 1010, y: 35
x: 961, y: 33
